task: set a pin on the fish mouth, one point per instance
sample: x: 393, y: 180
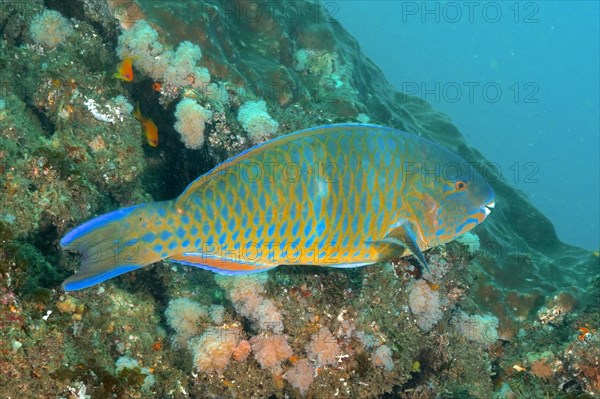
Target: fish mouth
x: 487, y: 208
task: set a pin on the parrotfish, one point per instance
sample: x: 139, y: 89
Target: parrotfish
x: 344, y: 195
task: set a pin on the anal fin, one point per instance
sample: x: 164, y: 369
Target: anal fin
x: 219, y: 265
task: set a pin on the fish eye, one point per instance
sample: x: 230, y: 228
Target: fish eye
x: 460, y: 185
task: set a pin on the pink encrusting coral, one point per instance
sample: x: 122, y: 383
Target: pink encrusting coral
x: 214, y: 349
x: 183, y: 315
x: 301, y: 375
x: 270, y: 351
x: 246, y: 295
x: 383, y: 358
x: 190, y: 118
x: 425, y: 304
x: 323, y: 348
x: 241, y: 352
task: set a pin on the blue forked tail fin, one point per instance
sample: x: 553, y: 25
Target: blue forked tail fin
x: 113, y: 244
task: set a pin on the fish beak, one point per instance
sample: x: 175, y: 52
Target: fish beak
x: 488, y: 208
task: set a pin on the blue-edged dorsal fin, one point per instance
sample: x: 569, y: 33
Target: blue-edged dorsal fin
x: 222, y: 169
x: 402, y: 236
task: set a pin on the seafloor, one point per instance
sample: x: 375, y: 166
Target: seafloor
x: 508, y: 311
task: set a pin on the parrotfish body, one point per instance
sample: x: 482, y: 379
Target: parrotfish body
x: 343, y: 195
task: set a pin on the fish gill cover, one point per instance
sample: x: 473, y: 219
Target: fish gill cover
x: 506, y: 310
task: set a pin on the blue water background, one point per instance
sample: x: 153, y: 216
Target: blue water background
x: 519, y: 79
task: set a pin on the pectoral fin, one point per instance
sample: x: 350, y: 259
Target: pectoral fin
x: 403, y: 236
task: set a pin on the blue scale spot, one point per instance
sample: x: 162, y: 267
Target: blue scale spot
x: 245, y: 220
x: 162, y: 212
x: 320, y: 228
x: 247, y: 233
x: 218, y: 227
x: 172, y: 245
x: 282, y: 244
x: 222, y: 239
x: 380, y: 219
x: 367, y: 221
x: 157, y: 248
x: 237, y: 207
x: 194, y: 230
x: 322, y: 244
x: 235, y: 235
x: 197, y: 243
x: 259, y: 243
x: 225, y: 213
x: 310, y: 254
x: 345, y: 241
x: 357, y: 253
x: 218, y: 202
x: 205, y: 229
x: 165, y: 235
x: 231, y: 224
x: 283, y: 228
x: 130, y: 243
x: 185, y: 243
x: 185, y: 219
x: 271, y: 230
x: 323, y: 256
x: 295, y: 228
x: 293, y: 214
x: 309, y: 242
x: 354, y: 225
x: 295, y: 243
x: 299, y: 192
x: 308, y: 228
x: 197, y: 216
x: 197, y: 200
x: 344, y: 221
x: 164, y: 254
x: 149, y: 237
x: 262, y: 200
x: 180, y: 232
x: 259, y: 231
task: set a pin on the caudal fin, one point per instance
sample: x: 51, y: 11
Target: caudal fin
x: 112, y: 244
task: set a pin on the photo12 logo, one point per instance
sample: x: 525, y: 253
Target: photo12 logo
x: 472, y: 92
x: 469, y: 11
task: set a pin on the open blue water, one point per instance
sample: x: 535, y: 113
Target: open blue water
x: 520, y: 80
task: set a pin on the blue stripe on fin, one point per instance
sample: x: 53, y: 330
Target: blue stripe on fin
x: 350, y: 265
x: 221, y: 271
x: 95, y: 223
x: 79, y: 281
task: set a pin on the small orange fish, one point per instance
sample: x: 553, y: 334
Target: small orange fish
x: 584, y: 332
x: 156, y: 86
x: 125, y: 70
x: 150, y: 128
